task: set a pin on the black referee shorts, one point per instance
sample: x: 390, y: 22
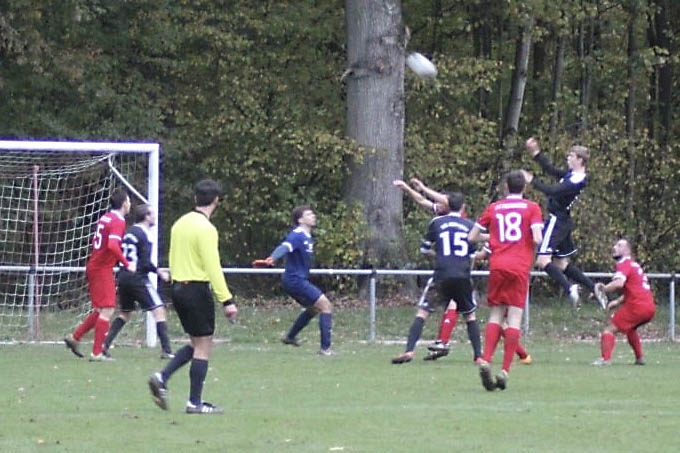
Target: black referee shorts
x: 195, y: 307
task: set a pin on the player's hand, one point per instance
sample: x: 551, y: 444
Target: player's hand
x: 532, y: 146
x: 230, y: 311
x: 417, y: 184
x: 267, y: 262
x: 528, y: 176
x: 164, y: 275
x: 399, y: 183
x: 132, y: 266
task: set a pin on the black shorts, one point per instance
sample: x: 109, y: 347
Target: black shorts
x: 140, y: 291
x: 458, y: 289
x: 557, y: 238
x: 195, y: 307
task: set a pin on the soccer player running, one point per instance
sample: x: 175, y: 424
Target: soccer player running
x: 637, y: 304
x: 106, y: 253
x: 514, y: 226
x: 448, y: 236
x: 136, y: 286
x: 196, y: 273
x: 298, y: 248
x: 557, y: 245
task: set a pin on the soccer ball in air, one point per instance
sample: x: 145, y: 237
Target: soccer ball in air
x: 419, y: 64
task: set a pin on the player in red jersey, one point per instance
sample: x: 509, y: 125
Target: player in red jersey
x: 515, y: 229
x: 106, y: 253
x: 637, y: 304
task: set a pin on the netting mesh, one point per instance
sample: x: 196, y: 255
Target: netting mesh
x: 49, y: 205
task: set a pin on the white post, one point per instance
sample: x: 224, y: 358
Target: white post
x: 153, y: 188
x: 371, y: 286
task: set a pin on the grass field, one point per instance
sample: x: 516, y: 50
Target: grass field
x: 284, y: 399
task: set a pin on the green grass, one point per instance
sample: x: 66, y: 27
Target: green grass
x: 284, y: 399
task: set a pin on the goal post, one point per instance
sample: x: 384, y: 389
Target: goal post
x: 52, y: 193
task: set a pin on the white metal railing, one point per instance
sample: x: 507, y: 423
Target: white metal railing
x: 373, y: 275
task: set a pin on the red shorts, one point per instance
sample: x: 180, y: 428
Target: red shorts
x: 630, y: 317
x: 102, y: 289
x: 508, y: 288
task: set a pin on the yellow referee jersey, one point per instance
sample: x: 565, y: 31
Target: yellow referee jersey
x: 194, y: 254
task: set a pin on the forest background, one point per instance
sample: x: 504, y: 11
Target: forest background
x: 255, y: 95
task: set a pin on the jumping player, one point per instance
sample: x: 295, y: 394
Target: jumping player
x: 637, y: 304
x: 557, y: 245
x: 136, y: 286
x: 514, y: 226
x: 447, y: 239
x: 298, y: 248
x: 106, y: 253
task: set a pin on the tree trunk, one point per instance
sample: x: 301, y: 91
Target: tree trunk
x: 630, y: 113
x: 519, y: 81
x: 665, y: 79
x: 557, y: 73
x: 375, y: 120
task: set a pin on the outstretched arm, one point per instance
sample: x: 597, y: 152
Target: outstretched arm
x: 532, y: 147
x: 430, y: 193
x: 415, y: 196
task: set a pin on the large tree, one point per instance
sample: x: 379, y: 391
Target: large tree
x: 375, y: 121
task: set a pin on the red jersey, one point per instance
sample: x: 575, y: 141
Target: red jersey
x: 108, y: 236
x: 636, y: 289
x: 509, y: 223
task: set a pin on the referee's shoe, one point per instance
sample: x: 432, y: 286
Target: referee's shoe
x: 203, y: 409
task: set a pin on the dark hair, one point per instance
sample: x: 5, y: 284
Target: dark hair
x: 205, y: 191
x: 140, y: 212
x: 456, y: 200
x: 298, y: 211
x: 118, y: 198
x: 515, y: 181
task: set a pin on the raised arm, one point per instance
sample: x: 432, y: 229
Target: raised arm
x: 533, y: 148
x: 415, y: 196
x: 430, y: 193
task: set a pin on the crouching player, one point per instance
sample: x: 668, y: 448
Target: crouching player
x: 637, y: 304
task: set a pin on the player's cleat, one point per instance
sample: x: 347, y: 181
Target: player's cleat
x: 601, y: 362
x: 478, y: 361
x: 574, y: 295
x: 167, y: 355
x: 72, y: 344
x: 158, y: 391
x: 601, y: 296
x: 101, y: 357
x: 502, y: 380
x: 639, y: 361
x: 485, y: 374
x: 327, y: 352
x: 526, y: 360
x: 403, y: 358
x: 291, y: 341
x: 107, y: 354
x: 203, y: 409
x: 434, y: 355
x: 438, y: 345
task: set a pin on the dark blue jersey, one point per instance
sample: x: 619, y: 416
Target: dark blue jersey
x: 137, y: 248
x: 300, y: 247
x: 561, y: 196
x: 447, y: 235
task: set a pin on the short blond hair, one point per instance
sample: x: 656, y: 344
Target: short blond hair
x: 580, y: 151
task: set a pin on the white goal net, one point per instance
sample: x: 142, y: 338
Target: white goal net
x: 51, y: 196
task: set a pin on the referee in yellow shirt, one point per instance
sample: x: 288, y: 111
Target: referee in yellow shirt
x: 196, y: 273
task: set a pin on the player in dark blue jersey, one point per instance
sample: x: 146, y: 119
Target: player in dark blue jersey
x: 447, y: 239
x: 135, y: 287
x: 557, y: 246
x: 298, y: 249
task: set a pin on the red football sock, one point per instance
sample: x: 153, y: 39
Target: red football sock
x: 101, y: 328
x: 521, y: 352
x: 492, y: 333
x: 607, y: 342
x: 511, y: 341
x: 85, y: 326
x: 448, y: 323
x: 634, y: 342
